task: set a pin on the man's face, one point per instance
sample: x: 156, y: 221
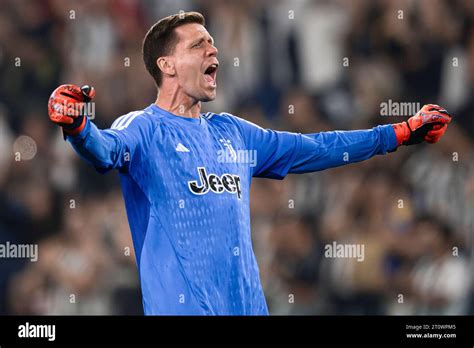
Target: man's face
x: 196, y: 63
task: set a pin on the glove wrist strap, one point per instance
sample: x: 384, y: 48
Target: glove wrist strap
x: 76, y: 130
x: 402, y: 132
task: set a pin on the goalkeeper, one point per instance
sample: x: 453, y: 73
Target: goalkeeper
x: 188, y: 209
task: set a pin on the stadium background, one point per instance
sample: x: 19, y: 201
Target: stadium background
x: 282, y: 66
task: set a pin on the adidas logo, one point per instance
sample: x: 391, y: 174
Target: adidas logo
x: 181, y: 148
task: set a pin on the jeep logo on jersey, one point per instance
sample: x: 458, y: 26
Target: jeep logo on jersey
x: 226, y: 182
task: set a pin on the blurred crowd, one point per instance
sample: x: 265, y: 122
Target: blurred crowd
x: 298, y: 65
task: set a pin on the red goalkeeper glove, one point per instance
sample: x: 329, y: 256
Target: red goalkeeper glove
x: 66, y: 107
x: 429, y: 124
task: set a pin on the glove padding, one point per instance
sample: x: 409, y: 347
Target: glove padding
x: 66, y: 106
x: 429, y: 124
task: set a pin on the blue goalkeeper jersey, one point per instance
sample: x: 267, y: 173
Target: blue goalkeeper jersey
x: 186, y: 186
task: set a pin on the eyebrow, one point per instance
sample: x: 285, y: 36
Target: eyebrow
x: 201, y: 40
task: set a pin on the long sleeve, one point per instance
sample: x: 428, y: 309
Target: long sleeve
x: 113, y: 148
x: 279, y: 153
x: 332, y: 149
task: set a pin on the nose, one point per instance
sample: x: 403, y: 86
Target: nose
x: 213, y: 51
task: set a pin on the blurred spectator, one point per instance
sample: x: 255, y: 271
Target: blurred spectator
x: 441, y: 278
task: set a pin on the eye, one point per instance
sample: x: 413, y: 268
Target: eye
x: 196, y: 45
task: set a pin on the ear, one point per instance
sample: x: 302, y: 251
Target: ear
x: 166, y: 65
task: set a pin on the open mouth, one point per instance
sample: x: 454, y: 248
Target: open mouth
x: 210, y: 73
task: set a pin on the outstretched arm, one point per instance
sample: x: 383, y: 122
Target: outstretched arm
x: 280, y: 153
x: 325, y: 150
x: 105, y: 149
x: 102, y: 148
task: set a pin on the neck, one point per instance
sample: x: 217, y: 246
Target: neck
x: 177, y: 103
